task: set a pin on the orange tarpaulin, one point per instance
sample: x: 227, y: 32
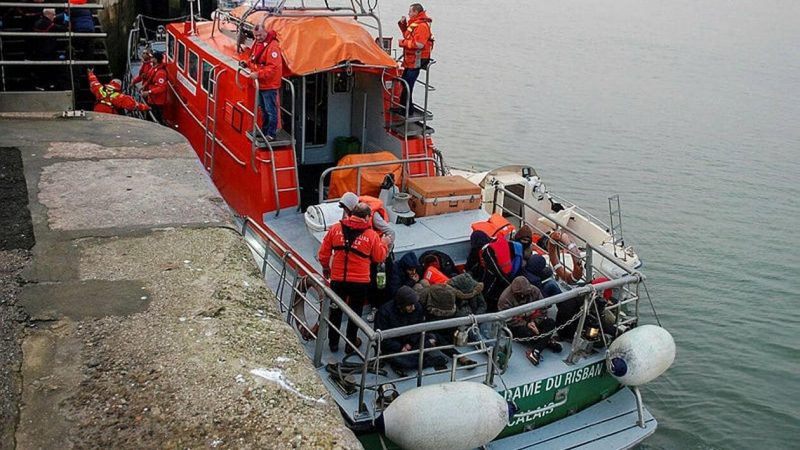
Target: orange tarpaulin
x: 371, y: 177
x: 315, y: 44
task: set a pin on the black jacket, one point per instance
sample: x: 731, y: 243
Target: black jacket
x: 398, y: 275
x: 389, y: 316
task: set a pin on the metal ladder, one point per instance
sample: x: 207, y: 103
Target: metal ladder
x: 615, y: 212
x: 210, y: 134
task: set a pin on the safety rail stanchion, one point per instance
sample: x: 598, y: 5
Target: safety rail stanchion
x: 421, y: 358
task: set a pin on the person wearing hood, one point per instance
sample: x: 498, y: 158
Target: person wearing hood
x: 405, y: 272
x: 266, y: 66
x: 347, y: 251
x: 521, y: 292
x: 539, y: 274
x: 474, y: 266
x: 525, y: 237
x: 439, y: 302
x: 417, y: 44
x: 471, y: 302
x: 402, y: 311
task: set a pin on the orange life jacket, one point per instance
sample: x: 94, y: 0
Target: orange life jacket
x: 496, y: 225
x: 376, y: 206
x: 435, y: 276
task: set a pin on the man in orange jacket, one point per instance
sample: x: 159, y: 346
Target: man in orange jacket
x: 109, y: 98
x: 354, y: 246
x: 417, y: 44
x: 266, y: 65
x: 156, y: 92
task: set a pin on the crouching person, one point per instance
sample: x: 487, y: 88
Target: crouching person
x: 528, y: 326
x: 405, y: 310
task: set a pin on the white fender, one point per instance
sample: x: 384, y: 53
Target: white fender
x: 446, y: 416
x: 321, y: 217
x: 641, y: 355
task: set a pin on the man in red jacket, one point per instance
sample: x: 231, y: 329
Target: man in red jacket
x: 109, y: 98
x: 354, y: 246
x: 145, y: 70
x: 417, y: 44
x: 156, y: 92
x: 266, y: 65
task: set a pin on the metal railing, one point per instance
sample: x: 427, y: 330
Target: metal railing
x: 256, y: 132
x: 284, y: 263
x: 404, y: 162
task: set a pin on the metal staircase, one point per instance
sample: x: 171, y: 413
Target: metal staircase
x: 284, y: 142
x: 65, y: 69
x: 410, y: 122
x: 210, y: 134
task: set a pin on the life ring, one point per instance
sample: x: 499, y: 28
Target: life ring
x: 570, y: 276
x: 299, y: 310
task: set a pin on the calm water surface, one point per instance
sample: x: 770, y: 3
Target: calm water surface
x: 691, y: 112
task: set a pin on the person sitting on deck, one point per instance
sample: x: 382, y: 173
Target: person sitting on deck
x: 346, y: 252
x: 439, y: 302
x: 402, y: 311
x: 405, y: 272
x: 431, y: 270
x: 266, y: 66
x: 109, y: 98
x: 530, y: 325
x: 525, y: 238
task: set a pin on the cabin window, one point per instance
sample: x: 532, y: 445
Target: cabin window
x: 181, y: 55
x: 194, y: 61
x: 206, y: 78
x: 170, y: 47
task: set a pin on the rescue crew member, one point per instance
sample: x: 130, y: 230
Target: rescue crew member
x: 379, y: 218
x: 417, y: 44
x: 109, y: 98
x: 354, y: 245
x: 156, y: 92
x: 145, y: 71
x: 266, y: 65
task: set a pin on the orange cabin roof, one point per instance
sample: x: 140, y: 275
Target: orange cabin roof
x: 316, y: 44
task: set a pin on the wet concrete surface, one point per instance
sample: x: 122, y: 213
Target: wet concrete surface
x: 138, y: 314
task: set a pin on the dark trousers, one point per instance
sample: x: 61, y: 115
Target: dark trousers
x: 354, y: 294
x: 267, y: 102
x: 546, y: 325
x: 410, y: 76
x: 158, y: 113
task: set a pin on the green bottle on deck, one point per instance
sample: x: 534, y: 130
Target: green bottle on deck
x: 380, y: 277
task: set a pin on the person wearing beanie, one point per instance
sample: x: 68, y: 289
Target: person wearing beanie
x: 402, y: 311
x: 521, y: 292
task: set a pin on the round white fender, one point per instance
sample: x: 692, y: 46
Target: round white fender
x: 641, y: 355
x: 446, y: 416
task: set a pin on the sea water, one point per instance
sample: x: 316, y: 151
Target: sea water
x: 690, y: 110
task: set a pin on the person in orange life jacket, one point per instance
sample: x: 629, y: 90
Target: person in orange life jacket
x: 347, y: 251
x: 109, y: 98
x: 416, y: 45
x: 521, y: 292
x: 145, y: 71
x: 266, y: 65
x: 378, y: 218
x: 156, y: 92
x: 379, y: 222
x: 432, y: 270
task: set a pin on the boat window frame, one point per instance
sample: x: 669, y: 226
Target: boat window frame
x: 205, y: 78
x: 192, y: 76
x: 181, y: 61
x: 170, y: 47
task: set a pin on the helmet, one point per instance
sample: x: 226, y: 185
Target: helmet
x: 115, y: 85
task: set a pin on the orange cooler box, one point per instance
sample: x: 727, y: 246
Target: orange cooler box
x: 440, y: 195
